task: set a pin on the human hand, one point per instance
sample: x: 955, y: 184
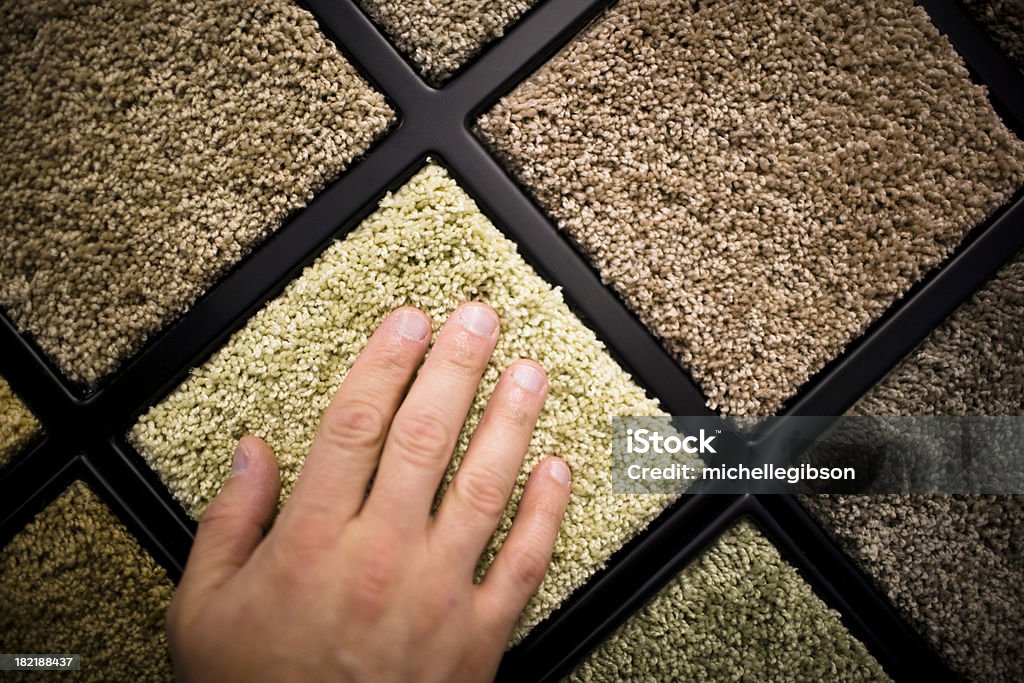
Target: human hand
x: 347, y: 586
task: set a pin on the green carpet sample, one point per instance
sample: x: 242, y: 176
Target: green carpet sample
x: 147, y: 147
x: 759, y: 181
x: 738, y: 613
x: 75, y: 581
x: 440, y: 37
x: 429, y: 246
x: 1003, y: 20
x: 953, y: 565
x: 18, y: 426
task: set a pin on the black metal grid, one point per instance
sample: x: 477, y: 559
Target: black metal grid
x: 84, y: 432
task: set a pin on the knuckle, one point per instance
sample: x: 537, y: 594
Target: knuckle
x: 219, y: 513
x: 511, y: 414
x: 422, y: 438
x: 374, y: 578
x: 354, y: 424
x: 483, y: 489
x: 292, y: 561
x: 391, y: 358
x: 465, y: 359
x: 546, y: 510
x: 528, y: 565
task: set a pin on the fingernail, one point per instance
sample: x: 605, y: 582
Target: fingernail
x: 528, y: 377
x: 478, y: 319
x: 239, y: 461
x: 412, y: 325
x: 560, y: 472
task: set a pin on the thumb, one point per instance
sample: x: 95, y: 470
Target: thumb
x: 234, y: 523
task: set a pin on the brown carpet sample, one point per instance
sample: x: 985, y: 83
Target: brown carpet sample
x: 759, y: 181
x: 1003, y: 20
x: 18, y: 426
x: 145, y: 148
x: 440, y: 37
x: 75, y: 581
x: 953, y: 565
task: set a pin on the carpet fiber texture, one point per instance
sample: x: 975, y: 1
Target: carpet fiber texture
x: 439, y: 37
x: 145, y: 148
x: 18, y: 425
x: 760, y: 180
x: 954, y: 565
x: 75, y: 581
x: 1003, y: 20
x: 429, y: 246
x: 738, y: 613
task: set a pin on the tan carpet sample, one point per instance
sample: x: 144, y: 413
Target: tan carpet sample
x: 75, y: 581
x: 145, y: 148
x: 429, y: 246
x: 738, y: 613
x: 1003, y: 20
x: 954, y: 565
x: 759, y: 181
x: 18, y: 426
x: 439, y: 37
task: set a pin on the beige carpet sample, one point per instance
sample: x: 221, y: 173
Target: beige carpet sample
x: 74, y: 581
x: 738, y: 613
x: 440, y: 37
x: 145, y: 148
x: 759, y: 181
x: 1003, y: 20
x: 953, y: 565
x: 428, y: 246
x: 18, y: 426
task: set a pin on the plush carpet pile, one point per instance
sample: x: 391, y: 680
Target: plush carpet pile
x: 145, y: 148
x: 738, y: 613
x: 439, y: 37
x: 75, y: 581
x: 429, y: 246
x: 1003, y: 20
x: 954, y: 565
x: 18, y: 425
x: 759, y: 181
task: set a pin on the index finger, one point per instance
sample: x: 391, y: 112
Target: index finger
x: 348, y: 442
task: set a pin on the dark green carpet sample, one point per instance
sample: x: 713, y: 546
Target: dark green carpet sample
x: 739, y: 612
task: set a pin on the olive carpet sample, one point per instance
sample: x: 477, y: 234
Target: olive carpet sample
x: 739, y: 612
x: 440, y: 37
x: 953, y: 565
x: 18, y: 426
x: 759, y: 181
x: 1003, y: 20
x: 428, y: 246
x: 75, y: 581
x: 145, y: 148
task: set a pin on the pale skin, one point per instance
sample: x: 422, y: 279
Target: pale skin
x: 345, y: 586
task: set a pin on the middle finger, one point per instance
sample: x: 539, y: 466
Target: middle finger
x: 424, y: 432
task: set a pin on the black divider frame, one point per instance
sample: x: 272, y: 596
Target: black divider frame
x: 85, y: 428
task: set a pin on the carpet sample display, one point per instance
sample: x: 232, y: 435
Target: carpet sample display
x: 18, y: 426
x: 953, y: 565
x: 759, y: 181
x: 145, y: 148
x: 428, y: 246
x: 1003, y: 20
x: 739, y: 612
x: 440, y: 37
x: 75, y: 581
